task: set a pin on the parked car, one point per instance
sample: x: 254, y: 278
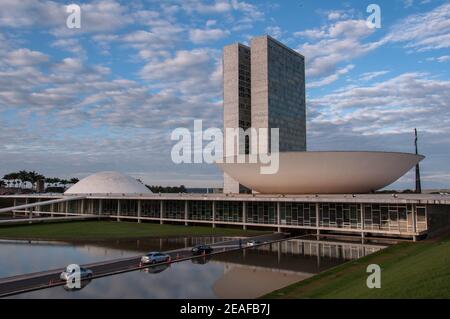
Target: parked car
x: 69, y: 274
x: 252, y: 243
x: 202, y: 249
x: 155, y: 258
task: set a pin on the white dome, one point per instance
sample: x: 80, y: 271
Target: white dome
x: 108, y: 183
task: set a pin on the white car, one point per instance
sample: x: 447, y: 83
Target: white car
x: 68, y: 275
x: 155, y: 258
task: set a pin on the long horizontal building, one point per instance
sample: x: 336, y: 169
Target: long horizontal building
x: 264, y: 87
x: 405, y: 215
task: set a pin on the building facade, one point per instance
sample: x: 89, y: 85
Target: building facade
x: 278, y: 92
x: 237, y: 101
x: 264, y: 87
x: 407, y: 215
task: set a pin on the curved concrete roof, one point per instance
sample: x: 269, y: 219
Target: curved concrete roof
x: 108, y: 183
x: 324, y: 172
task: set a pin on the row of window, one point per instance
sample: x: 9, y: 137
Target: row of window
x: 334, y: 215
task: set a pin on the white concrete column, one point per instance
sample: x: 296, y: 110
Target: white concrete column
x: 38, y: 208
x: 139, y: 211
x: 26, y: 210
x: 317, y: 220
x: 279, y: 252
x: 52, y: 209
x: 362, y: 222
x: 244, y: 215
x: 100, y: 206
x: 15, y: 204
x: 414, y: 219
x: 319, y: 253
x: 67, y: 208
x: 278, y: 217
x: 186, y: 208
x: 161, y: 212
x: 118, y: 210
x: 214, y: 214
x: 82, y: 206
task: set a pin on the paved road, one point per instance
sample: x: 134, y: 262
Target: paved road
x: 41, y: 280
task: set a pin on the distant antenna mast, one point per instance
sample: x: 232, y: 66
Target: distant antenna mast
x: 418, y: 184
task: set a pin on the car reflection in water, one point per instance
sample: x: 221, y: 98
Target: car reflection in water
x: 83, y: 283
x: 156, y: 269
x: 201, y: 260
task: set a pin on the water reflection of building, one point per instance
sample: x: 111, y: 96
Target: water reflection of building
x: 300, y: 255
x: 278, y: 265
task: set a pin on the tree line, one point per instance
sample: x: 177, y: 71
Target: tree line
x: 18, y: 179
x: 167, y: 189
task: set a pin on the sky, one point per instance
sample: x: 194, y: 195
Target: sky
x: 108, y: 95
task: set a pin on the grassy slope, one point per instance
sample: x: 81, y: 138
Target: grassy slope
x: 408, y: 270
x: 98, y: 230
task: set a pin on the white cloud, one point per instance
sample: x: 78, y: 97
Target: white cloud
x: 97, y: 16
x: 155, y: 38
x: 275, y: 31
x: 207, y: 35
x: 424, y: 31
x: 25, y: 57
x: 408, y: 3
x: 70, y: 45
x: 443, y: 58
x: 27, y: 13
x: 335, y: 15
x: 312, y: 33
x: 367, y: 76
x: 211, y: 23
x: 338, y: 42
x: 440, y: 59
x: 331, y: 78
x: 195, y: 75
x: 218, y: 6
x: 395, y: 105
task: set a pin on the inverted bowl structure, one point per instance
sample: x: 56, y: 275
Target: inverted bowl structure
x: 108, y: 183
x: 324, y: 172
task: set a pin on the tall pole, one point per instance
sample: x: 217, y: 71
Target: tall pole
x: 418, y: 184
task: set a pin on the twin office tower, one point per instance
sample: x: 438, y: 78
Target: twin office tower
x: 264, y: 87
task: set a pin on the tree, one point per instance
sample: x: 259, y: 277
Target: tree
x: 11, y: 178
x: 167, y: 189
x: 23, y: 177
x: 33, y: 177
x: 64, y: 183
x: 52, y: 181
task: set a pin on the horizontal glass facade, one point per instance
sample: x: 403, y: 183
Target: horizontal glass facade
x: 395, y: 218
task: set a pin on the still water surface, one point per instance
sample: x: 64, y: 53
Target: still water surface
x: 244, y: 274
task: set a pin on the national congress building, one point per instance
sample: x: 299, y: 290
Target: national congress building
x: 318, y: 192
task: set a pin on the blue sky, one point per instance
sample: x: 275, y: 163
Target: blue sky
x: 108, y: 95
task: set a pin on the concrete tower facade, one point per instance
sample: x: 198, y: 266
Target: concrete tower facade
x: 237, y: 100
x: 264, y: 87
x: 278, y: 92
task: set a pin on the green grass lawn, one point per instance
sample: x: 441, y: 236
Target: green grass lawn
x: 103, y: 230
x: 408, y: 270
